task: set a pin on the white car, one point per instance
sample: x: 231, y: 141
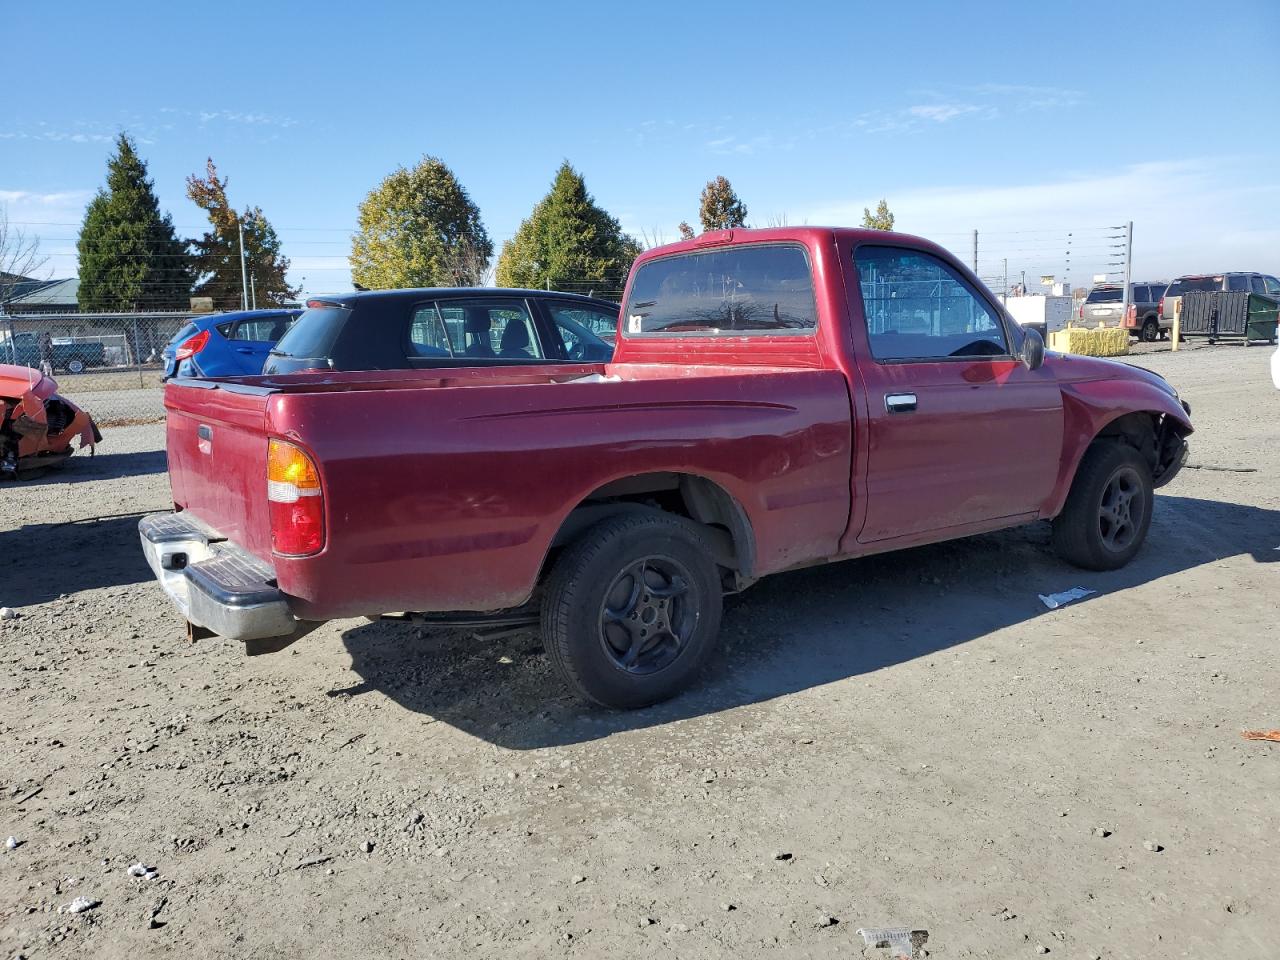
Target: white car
x: 1275, y: 361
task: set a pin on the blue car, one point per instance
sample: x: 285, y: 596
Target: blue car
x: 226, y: 344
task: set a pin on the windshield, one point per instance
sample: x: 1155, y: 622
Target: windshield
x: 1104, y: 295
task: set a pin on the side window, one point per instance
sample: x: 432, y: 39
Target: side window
x: 489, y: 329
x: 1273, y: 286
x: 1237, y: 282
x: 748, y: 290
x: 430, y: 335
x: 918, y: 308
x: 263, y: 329
x: 1257, y: 284
x: 587, y: 332
x: 1140, y: 295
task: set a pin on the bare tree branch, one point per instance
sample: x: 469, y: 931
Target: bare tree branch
x: 19, y: 256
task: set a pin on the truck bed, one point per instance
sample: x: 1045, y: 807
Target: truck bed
x: 443, y: 491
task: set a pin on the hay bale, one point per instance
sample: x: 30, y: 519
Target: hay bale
x: 1091, y: 342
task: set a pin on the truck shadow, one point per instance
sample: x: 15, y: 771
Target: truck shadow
x: 45, y: 560
x: 794, y: 631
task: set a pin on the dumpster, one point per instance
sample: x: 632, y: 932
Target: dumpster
x: 1264, y: 314
x: 1220, y: 315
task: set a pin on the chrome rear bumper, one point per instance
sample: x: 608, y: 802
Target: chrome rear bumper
x: 213, y: 582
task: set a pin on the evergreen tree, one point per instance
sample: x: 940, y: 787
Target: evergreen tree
x: 568, y: 243
x: 419, y: 228
x: 686, y: 231
x: 721, y: 209
x: 130, y: 256
x: 882, y: 219
x: 218, y: 251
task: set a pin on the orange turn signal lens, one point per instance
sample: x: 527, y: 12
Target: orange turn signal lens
x: 296, y: 501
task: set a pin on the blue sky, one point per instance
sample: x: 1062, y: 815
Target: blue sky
x: 1024, y: 121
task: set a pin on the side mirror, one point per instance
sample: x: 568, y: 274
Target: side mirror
x: 1032, y: 348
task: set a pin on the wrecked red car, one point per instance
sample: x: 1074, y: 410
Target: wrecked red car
x: 39, y: 425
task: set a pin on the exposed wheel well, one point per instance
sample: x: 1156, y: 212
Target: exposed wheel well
x: 1156, y: 436
x: 695, y: 498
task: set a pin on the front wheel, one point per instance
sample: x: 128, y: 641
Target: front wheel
x: 1108, y: 511
x: 632, y: 610
x: 75, y: 366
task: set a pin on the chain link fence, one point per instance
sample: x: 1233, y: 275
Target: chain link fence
x: 110, y: 364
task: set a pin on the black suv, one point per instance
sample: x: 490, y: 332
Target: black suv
x: 444, y: 327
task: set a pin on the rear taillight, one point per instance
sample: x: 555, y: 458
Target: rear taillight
x: 192, y: 345
x: 1160, y: 307
x: 297, y: 504
x: 1131, y: 315
x: 1081, y: 313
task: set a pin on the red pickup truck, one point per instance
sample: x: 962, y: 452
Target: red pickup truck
x: 778, y: 398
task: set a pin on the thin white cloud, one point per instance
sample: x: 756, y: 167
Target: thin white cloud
x: 942, y: 112
x: 56, y: 136
x: 62, y: 198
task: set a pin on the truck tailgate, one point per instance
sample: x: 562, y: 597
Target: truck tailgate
x: 217, y: 442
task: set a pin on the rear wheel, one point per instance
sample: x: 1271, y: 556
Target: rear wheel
x: 1108, y: 511
x: 75, y: 366
x: 1150, y: 331
x: 632, y: 610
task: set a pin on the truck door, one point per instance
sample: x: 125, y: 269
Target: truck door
x: 960, y: 432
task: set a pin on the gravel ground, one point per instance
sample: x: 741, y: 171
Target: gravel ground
x: 905, y: 740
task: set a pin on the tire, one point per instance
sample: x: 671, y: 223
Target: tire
x: 632, y: 609
x: 1150, y: 331
x: 1113, y: 481
x: 75, y: 366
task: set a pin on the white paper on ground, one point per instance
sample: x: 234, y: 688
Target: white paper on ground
x: 1055, y: 600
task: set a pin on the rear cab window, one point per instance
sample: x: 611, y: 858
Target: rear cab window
x: 750, y: 290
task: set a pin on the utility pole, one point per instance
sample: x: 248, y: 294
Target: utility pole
x: 975, y: 251
x: 1022, y: 286
x: 244, y: 280
x: 253, y: 293
x: 1005, y: 294
x: 1128, y: 272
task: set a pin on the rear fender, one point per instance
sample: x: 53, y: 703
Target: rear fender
x: 1137, y: 413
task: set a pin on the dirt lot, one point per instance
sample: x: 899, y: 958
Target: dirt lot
x: 906, y: 740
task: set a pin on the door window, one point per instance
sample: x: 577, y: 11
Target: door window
x: 479, y: 329
x: 261, y: 330
x: 1258, y: 285
x: 583, y: 330
x: 1141, y: 295
x: 1273, y: 286
x: 430, y: 336
x: 918, y: 308
x: 1237, y: 282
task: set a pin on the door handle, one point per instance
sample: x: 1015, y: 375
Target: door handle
x: 900, y: 402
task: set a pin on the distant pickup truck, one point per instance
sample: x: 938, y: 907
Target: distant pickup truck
x: 778, y: 398
x: 73, y: 356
